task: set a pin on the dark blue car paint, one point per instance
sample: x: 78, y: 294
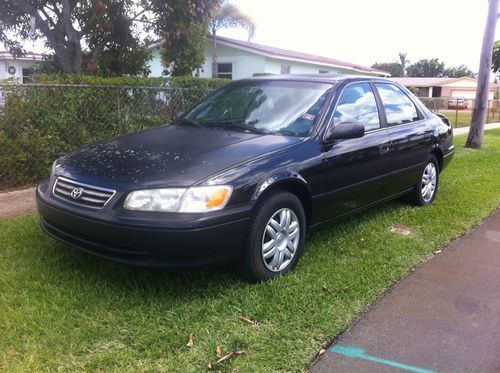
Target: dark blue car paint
x: 332, y: 178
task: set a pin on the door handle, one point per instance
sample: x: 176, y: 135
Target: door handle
x: 384, y: 148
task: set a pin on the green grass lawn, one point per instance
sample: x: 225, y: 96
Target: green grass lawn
x: 64, y: 310
x: 463, y: 118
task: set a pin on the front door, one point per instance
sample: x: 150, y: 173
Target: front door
x: 356, y: 170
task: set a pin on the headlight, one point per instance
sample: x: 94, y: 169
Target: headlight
x: 195, y: 199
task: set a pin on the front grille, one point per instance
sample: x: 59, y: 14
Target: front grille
x: 82, y: 194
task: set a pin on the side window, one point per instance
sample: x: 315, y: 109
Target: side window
x: 399, y: 109
x: 357, y: 104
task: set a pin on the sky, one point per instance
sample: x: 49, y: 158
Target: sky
x: 369, y: 31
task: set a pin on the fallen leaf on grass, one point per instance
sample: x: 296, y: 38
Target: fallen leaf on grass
x: 190, y: 341
x: 247, y: 320
x: 218, y: 351
x: 230, y: 355
x: 12, y: 352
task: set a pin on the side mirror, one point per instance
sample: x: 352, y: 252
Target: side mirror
x: 345, y: 130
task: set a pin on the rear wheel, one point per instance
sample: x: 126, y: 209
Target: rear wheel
x: 276, y: 237
x: 426, y: 188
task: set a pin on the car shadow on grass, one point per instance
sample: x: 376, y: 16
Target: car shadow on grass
x: 59, y: 259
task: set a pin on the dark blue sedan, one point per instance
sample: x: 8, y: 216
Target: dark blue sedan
x: 247, y: 172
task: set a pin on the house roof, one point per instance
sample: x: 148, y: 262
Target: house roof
x: 427, y: 82
x: 6, y: 55
x: 294, y: 55
x: 286, y: 54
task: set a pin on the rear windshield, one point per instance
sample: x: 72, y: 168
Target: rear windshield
x: 268, y: 107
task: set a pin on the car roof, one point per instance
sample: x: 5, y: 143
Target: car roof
x: 321, y: 78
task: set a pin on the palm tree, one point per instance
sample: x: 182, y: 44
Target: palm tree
x: 228, y: 16
x: 403, y: 62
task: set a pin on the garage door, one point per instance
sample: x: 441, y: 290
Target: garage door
x: 466, y: 94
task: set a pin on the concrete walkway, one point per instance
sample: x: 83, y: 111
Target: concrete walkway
x: 444, y: 317
x: 464, y: 130
x: 17, y: 203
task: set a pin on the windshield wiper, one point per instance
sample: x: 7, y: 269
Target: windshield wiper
x: 238, y: 125
x: 191, y: 122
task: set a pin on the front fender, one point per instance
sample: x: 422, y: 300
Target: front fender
x: 276, y: 179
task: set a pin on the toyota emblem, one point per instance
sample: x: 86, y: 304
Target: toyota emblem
x: 76, y: 193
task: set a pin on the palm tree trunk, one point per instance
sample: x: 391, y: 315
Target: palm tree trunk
x: 475, y: 137
x: 215, y: 69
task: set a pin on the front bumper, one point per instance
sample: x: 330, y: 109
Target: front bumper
x: 145, y: 239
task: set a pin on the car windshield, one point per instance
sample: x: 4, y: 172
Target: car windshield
x: 267, y: 107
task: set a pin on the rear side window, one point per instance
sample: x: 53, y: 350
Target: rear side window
x: 357, y: 104
x: 399, y: 109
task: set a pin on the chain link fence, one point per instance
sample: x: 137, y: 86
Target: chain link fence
x: 460, y: 114
x: 39, y: 122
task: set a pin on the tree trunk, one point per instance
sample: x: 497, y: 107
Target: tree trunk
x: 475, y: 137
x: 215, y: 72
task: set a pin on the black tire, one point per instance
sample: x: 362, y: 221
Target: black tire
x: 252, y: 265
x: 417, y: 198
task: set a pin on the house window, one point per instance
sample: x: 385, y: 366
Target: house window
x: 27, y: 76
x: 324, y: 71
x: 225, y: 70
x: 285, y: 69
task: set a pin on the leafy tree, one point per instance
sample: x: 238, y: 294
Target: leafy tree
x: 228, y: 16
x: 69, y: 25
x: 495, y: 63
x: 182, y: 24
x: 392, y: 68
x: 427, y: 68
x: 105, y: 36
x: 396, y: 68
x: 458, y: 72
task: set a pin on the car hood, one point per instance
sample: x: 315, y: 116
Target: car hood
x: 176, y: 155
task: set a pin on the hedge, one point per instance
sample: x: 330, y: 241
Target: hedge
x: 62, y: 113
x: 173, y: 82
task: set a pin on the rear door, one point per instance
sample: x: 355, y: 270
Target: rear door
x: 410, y: 135
x: 356, y: 170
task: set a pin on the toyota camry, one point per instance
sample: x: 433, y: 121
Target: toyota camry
x: 246, y: 173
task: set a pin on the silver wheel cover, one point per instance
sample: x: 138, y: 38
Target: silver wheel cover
x: 280, y: 240
x: 429, y: 182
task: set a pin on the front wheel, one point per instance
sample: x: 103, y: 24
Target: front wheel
x: 426, y: 188
x: 276, y: 237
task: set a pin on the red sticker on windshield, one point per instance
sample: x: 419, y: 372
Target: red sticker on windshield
x: 308, y: 116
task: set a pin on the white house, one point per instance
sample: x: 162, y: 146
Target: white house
x: 18, y: 68
x: 238, y: 59
x: 444, y: 87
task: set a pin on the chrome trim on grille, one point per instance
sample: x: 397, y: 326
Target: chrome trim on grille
x: 91, y: 196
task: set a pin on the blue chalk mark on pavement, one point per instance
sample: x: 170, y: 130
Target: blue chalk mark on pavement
x: 359, y: 353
